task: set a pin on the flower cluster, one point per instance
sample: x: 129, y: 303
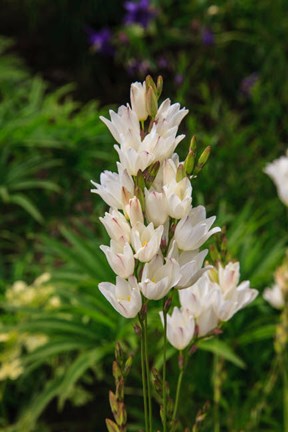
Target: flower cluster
x: 213, y: 299
x: 278, y: 171
x: 156, y: 234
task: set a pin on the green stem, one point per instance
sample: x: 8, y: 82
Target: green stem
x: 144, y: 374
x: 164, y: 371
x: 216, y: 385
x: 285, y: 394
x: 147, y: 374
x: 178, y: 389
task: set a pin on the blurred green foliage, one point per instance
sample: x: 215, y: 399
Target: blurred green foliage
x: 51, y: 145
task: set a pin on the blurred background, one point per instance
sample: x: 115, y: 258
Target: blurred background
x: 62, y: 64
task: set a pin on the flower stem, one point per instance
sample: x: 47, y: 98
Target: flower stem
x: 164, y: 371
x: 285, y: 395
x: 147, y: 374
x: 217, y: 391
x: 179, y: 383
x: 144, y: 374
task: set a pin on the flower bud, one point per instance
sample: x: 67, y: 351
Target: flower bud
x: 140, y: 195
x: 111, y: 426
x: 150, y: 173
x: 137, y: 329
x: 151, y: 102
x: 116, y: 371
x: 119, y: 353
x: 181, y: 173
x: 135, y: 211
x: 189, y: 162
x: 203, y: 159
x: 159, y: 85
x: 138, y: 100
x: 120, y: 390
x: 193, y: 144
x: 113, y: 402
x: 150, y: 83
x: 127, y: 366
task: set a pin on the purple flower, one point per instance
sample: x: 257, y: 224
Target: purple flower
x: 163, y: 62
x: 248, y: 83
x: 101, y: 40
x: 138, y: 67
x: 139, y: 13
x: 207, y: 36
x: 178, y: 79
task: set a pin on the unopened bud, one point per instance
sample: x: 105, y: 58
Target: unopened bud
x: 127, y: 366
x: 193, y: 348
x: 189, y: 162
x: 120, y: 416
x: 120, y: 390
x: 181, y: 173
x: 150, y: 83
x: 213, y: 275
x: 167, y: 304
x: 150, y: 173
x: 193, y: 144
x: 214, y: 253
x: 111, y: 426
x: 203, y: 159
x: 159, y: 85
x: 116, y: 371
x: 113, y: 402
x: 151, y: 102
x: 118, y: 354
x: 137, y: 329
x: 139, y: 180
x: 140, y: 195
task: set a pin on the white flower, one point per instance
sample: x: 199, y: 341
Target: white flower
x: 125, y: 296
x: 199, y: 299
x: 190, y: 265
x: 134, y: 160
x: 274, y: 296
x: 116, y: 226
x: 193, y: 230
x: 124, y: 126
x: 230, y: 297
x: 120, y: 258
x: 169, y: 116
x: 115, y: 189
x: 278, y: 171
x: 138, y: 100
x: 179, y: 198
x: 156, y: 207
x: 228, y: 277
x: 134, y: 211
x: 161, y: 146
x: 146, y: 241
x: 180, y: 327
x: 158, y: 278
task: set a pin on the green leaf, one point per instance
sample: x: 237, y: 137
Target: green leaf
x: 84, y: 361
x: 27, y: 205
x: 257, y: 334
x: 220, y: 348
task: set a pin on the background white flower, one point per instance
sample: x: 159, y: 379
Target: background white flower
x: 278, y: 171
